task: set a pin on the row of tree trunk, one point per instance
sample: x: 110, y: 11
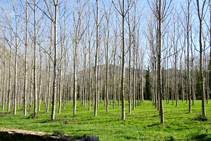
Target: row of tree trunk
x: 53, y: 83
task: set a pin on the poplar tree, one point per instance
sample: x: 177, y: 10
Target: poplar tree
x: 200, y: 12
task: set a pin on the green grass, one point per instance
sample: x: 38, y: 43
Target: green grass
x: 142, y: 124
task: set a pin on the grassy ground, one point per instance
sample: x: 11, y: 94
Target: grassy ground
x: 142, y: 124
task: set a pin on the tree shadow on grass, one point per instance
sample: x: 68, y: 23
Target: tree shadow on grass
x: 4, y: 114
x: 155, y: 116
x: 32, y: 116
x: 58, y: 120
x: 201, y: 118
x: 46, y: 121
x: 170, y: 139
x: 129, y: 137
x: 154, y: 124
x: 202, y: 137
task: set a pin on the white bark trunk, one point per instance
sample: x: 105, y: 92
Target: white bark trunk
x: 25, y: 76
x: 54, y: 64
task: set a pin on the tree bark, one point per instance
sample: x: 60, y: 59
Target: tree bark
x: 9, y: 79
x: 123, y: 60
x: 35, y: 53
x: 188, y: 63
x: 54, y: 64
x: 129, y: 75
x: 75, y: 79
x: 16, y: 74
x: 159, y: 62
x: 201, y: 16
x: 96, y: 60
x: 25, y: 73
x: 40, y: 82
x: 210, y: 54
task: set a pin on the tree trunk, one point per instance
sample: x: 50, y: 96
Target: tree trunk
x: 85, y: 79
x: 31, y: 88
x: 54, y: 65
x: 114, y: 84
x: 210, y: 54
x: 201, y: 16
x: 75, y: 80
x: 60, y: 68
x: 129, y: 75
x: 188, y: 63
x: 40, y: 82
x: 192, y: 73
x: 16, y: 74
x: 49, y: 70
x: 97, y: 43
x: 9, y: 80
x: 181, y: 76
x: 25, y: 73
x: 168, y: 78
x: 159, y: 63
x: 175, y: 51
x: 107, y: 45
x: 134, y: 56
x: 3, y: 78
x: 123, y: 60
x: 35, y: 67
x: 142, y: 89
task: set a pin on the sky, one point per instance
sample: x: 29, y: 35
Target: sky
x: 143, y: 10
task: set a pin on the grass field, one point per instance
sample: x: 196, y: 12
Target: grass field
x: 142, y: 124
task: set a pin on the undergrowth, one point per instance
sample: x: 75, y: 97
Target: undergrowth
x: 58, y: 133
x: 201, y: 118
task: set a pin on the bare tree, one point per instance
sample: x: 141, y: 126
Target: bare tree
x: 192, y: 70
x: 175, y: 38
x: 90, y: 71
x: 129, y: 69
x: 150, y: 37
x: 49, y: 69
x: 16, y: 64
x: 123, y: 12
x: 34, y: 65
x: 40, y: 81
x: 9, y: 76
x: 78, y: 31
x: 161, y: 12
x: 210, y: 53
x: 107, y: 16
x: 201, y: 18
x: 25, y: 74
x: 4, y: 75
x: 188, y: 63
x: 134, y: 54
x: 96, y: 59
x: 114, y: 59
x: 56, y: 4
